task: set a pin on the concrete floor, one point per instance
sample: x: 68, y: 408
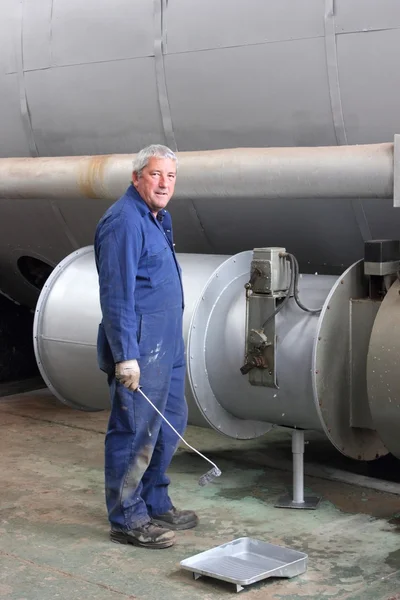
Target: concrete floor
x: 54, y: 533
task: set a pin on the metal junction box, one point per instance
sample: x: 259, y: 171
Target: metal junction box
x: 270, y: 272
x: 270, y: 277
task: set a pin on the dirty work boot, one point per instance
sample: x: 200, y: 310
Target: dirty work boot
x: 177, y: 519
x: 146, y: 536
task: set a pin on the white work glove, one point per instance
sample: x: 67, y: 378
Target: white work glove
x: 128, y: 373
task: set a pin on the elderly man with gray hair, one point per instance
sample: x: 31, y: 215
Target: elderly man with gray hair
x: 140, y: 342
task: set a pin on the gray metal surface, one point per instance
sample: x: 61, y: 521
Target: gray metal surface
x: 383, y: 370
x: 215, y: 333
x: 196, y: 271
x: 215, y: 353
x: 65, y: 330
x: 246, y: 560
x: 110, y: 76
x: 362, y: 315
x: 331, y: 368
x: 297, y: 499
x: 65, y: 346
x: 205, y: 46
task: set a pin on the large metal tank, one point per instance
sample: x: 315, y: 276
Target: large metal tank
x: 94, y: 78
x: 313, y: 351
x: 99, y: 77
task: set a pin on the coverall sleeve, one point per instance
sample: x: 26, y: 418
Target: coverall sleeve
x: 120, y: 247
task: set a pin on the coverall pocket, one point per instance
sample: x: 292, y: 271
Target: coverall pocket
x: 139, y: 319
x: 153, y: 333
x: 159, y: 265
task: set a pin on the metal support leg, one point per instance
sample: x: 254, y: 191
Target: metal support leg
x: 298, y: 500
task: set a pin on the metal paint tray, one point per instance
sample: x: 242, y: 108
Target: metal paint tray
x: 245, y: 561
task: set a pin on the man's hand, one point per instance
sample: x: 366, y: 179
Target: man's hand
x: 128, y: 373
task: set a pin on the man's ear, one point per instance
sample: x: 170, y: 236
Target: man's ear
x: 135, y: 179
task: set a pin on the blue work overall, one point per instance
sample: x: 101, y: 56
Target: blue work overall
x: 141, y: 298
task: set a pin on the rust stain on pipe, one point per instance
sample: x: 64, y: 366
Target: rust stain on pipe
x: 91, y: 176
x: 305, y: 172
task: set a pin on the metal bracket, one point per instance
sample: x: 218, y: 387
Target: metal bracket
x: 396, y: 171
x: 270, y: 281
x: 260, y: 345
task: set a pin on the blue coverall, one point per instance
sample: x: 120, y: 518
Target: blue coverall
x: 141, y: 298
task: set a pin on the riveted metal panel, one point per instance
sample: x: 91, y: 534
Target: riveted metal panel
x: 236, y: 90
x: 240, y: 23
x: 11, y: 128
x: 97, y: 30
x: 253, y: 90
x: 9, y: 27
x: 331, y: 369
x: 75, y: 109
x: 369, y: 76
x: 37, y: 34
x: 366, y: 15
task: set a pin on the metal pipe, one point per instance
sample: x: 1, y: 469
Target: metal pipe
x: 297, y: 500
x: 267, y: 173
x: 298, y: 465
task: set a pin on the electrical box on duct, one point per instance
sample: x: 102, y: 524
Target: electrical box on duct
x: 269, y: 284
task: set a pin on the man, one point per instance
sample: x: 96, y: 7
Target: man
x: 140, y: 341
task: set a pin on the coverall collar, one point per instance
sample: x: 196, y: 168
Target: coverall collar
x: 140, y: 203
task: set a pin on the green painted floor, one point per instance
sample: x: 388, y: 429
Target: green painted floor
x: 54, y: 533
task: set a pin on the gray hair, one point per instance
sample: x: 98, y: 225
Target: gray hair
x: 157, y: 150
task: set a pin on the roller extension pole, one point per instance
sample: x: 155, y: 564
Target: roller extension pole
x: 298, y: 500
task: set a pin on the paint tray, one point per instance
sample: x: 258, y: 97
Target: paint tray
x: 245, y: 561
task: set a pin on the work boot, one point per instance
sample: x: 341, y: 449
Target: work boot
x: 146, y: 536
x: 177, y: 519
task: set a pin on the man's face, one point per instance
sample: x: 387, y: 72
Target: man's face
x: 156, y: 183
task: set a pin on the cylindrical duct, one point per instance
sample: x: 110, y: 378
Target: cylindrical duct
x: 364, y: 171
x: 65, y: 331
